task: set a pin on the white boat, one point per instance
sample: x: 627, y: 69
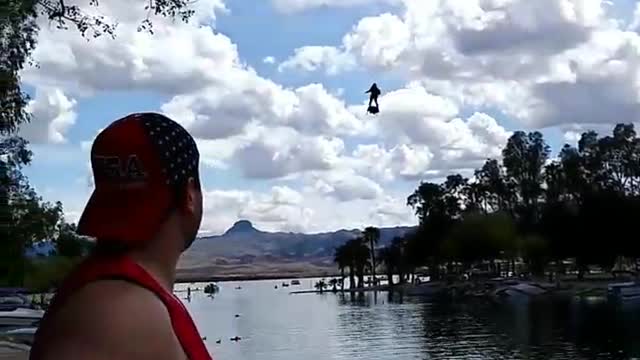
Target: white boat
x: 518, y: 292
x: 10, y: 302
x: 626, y: 291
x: 20, y: 335
x: 20, y: 318
x: 11, y: 350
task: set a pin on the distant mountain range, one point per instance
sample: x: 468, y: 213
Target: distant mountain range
x: 243, y: 245
x: 244, y: 251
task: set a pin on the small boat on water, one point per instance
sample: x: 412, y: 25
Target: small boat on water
x: 20, y: 335
x: 10, y: 301
x: 626, y: 291
x: 20, y: 318
x: 295, y: 282
x: 519, y: 292
x: 17, y: 311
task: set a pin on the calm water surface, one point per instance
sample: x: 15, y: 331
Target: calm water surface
x: 276, y: 325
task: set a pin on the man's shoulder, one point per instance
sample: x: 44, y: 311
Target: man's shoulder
x: 112, y: 302
x: 112, y: 315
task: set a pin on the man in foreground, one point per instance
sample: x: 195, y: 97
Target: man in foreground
x: 145, y: 211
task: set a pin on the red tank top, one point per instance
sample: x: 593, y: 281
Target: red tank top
x: 126, y: 269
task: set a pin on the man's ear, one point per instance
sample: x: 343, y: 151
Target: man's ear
x: 191, y: 197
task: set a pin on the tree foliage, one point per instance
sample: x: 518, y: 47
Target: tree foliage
x: 18, y: 31
x: 24, y: 217
x: 18, y: 37
x: 579, y: 207
x: 371, y: 236
x: 354, y: 255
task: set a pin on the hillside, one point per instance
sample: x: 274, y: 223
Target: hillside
x: 244, y: 250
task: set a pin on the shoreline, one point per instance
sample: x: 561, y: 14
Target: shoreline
x: 561, y: 283
x: 474, y: 289
x: 183, y: 279
x: 564, y: 287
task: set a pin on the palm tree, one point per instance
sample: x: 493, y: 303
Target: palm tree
x: 341, y: 257
x: 391, y: 257
x: 320, y: 286
x: 371, y: 236
x: 386, y: 257
x: 334, y: 284
x: 344, y: 258
x: 353, y: 254
x: 359, y: 255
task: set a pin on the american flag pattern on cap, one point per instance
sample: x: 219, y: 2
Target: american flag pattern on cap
x: 176, y: 148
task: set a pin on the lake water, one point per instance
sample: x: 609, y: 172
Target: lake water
x: 276, y: 325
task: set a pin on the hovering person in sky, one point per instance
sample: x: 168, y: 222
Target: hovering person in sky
x: 373, y: 92
x: 144, y: 212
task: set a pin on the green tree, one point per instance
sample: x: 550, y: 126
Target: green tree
x: 524, y: 157
x: 334, y: 284
x: 535, y: 252
x: 30, y: 220
x: 426, y: 200
x: 341, y: 258
x: 371, y: 236
x: 23, y: 217
x: 320, y: 285
x: 560, y: 226
x: 497, y: 193
x: 574, y: 176
x: 355, y: 255
x: 44, y: 274
x: 68, y: 243
x: 360, y: 258
x: 18, y: 31
x: 581, y: 206
x: 438, y: 207
x: 591, y: 161
x: 479, y: 237
x: 18, y: 35
x: 392, y: 257
x: 620, y: 154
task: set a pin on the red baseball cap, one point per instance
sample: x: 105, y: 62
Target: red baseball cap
x: 138, y: 163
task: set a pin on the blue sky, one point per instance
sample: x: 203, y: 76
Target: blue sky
x: 60, y: 169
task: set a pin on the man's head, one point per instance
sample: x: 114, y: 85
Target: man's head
x: 145, y: 169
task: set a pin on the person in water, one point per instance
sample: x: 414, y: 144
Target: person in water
x: 373, y: 92
x: 145, y: 211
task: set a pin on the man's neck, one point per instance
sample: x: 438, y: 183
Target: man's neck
x: 162, y: 268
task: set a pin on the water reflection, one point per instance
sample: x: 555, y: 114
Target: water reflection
x: 376, y: 326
